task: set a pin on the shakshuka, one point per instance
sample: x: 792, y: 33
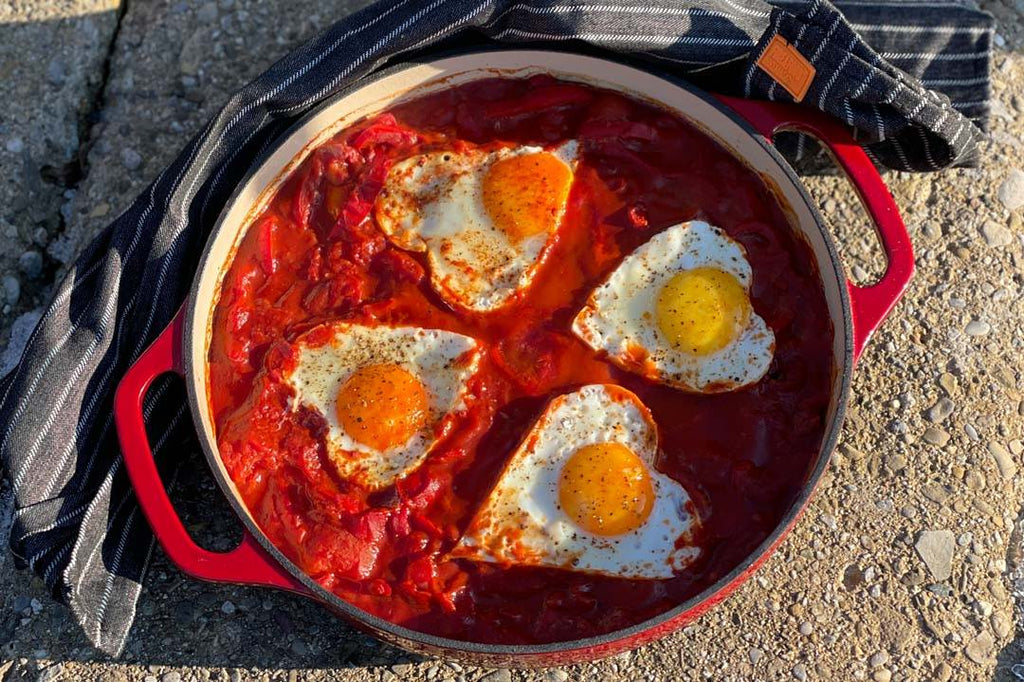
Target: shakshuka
x: 520, y: 361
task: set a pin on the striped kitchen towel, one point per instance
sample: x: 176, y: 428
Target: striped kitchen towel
x: 76, y: 522
x: 945, y: 44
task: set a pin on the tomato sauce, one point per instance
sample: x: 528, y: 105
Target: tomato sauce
x: 316, y: 255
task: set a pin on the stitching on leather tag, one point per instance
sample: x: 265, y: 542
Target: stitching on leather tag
x: 787, y: 67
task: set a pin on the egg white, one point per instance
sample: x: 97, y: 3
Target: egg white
x: 523, y: 523
x: 441, y: 360
x: 434, y: 203
x: 619, y: 317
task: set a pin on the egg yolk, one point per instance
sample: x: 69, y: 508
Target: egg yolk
x: 382, y: 406
x: 605, y: 489
x: 524, y: 194
x: 702, y: 310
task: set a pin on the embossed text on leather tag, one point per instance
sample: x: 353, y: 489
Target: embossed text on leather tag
x: 789, y: 68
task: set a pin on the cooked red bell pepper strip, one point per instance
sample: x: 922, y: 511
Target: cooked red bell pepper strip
x: 308, y: 194
x: 383, y: 135
x: 267, y: 248
x: 385, y: 130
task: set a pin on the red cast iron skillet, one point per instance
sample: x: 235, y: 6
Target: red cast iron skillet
x: 743, y: 127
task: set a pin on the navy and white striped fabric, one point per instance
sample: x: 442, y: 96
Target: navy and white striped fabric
x: 946, y: 46
x: 77, y: 524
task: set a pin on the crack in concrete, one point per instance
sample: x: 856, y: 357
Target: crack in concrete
x: 98, y: 103
x: 69, y: 176
x: 77, y: 169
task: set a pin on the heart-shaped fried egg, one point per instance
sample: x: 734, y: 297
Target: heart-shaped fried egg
x: 484, y: 218
x: 678, y: 311
x: 581, y: 493
x: 387, y: 393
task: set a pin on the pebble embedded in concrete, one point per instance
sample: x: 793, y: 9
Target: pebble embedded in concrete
x: 1001, y: 625
x: 935, y: 548
x: 1004, y: 460
x: 51, y: 673
x: 940, y: 410
x: 996, y: 235
x: 131, y: 159
x: 31, y: 263
x: 1011, y: 191
x: 21, y: 330
x: 977, y: 328
x: 979, y: 649
x: 12, y: 289
x: 936, y: 436
x: 56, y: 72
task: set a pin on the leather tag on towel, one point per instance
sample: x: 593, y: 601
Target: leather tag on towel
x: 787, y: 67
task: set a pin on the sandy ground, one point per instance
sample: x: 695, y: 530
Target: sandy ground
x: 927, y: 466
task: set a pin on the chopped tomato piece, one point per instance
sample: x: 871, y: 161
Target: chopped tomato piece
x: 340, y: 162
x: 417, y: 541
x: 398, y: 524
x: 419, y: 489
x: 371, y: 527
x: 530, y: 358
x: 379, y: 587
x: 360, y: 202
x: 331, y: 549
x: 420, y: 572
x: 398, y: 266
x: 423, y: 523
x: 243, y: 286
x: 363, y: 248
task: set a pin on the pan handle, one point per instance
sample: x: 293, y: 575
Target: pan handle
x: 248, y: 563
x: 869, y: 304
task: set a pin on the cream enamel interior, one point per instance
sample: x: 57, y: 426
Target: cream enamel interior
x: 419, y: 79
